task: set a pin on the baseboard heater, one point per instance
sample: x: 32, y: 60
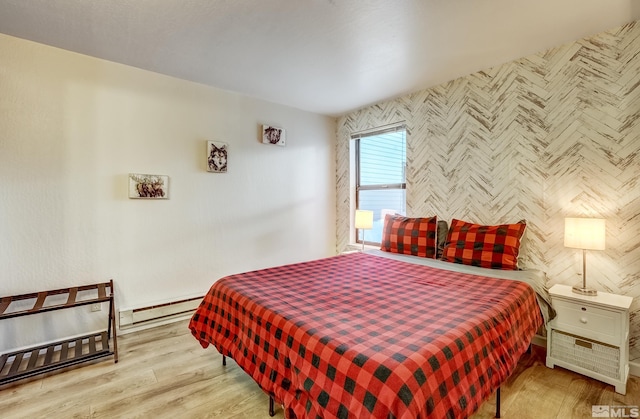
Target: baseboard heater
x: 158, y: 312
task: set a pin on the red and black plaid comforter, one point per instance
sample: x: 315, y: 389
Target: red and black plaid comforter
x: 357, y: 335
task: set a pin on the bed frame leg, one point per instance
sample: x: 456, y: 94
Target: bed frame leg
x: 272, y: 410
x: 498, y: 403
x: 224, y: 361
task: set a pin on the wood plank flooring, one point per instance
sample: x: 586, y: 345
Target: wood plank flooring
x: 164, y: 373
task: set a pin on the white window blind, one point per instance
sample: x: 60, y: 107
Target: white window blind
x: 380, y: 176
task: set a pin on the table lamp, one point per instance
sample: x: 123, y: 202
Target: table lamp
x: 585, y: 234
x: 364, y: 221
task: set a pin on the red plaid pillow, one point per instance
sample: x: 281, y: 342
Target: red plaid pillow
x: 409, y: 236
x: 495, y: 247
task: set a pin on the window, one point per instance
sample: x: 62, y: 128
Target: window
x: 380, y: 162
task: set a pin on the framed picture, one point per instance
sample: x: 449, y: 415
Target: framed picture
x: 217, y: 154
x: 148, y: 186
x: 273, y: 135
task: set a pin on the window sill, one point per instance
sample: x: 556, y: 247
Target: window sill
x: 358, y: 247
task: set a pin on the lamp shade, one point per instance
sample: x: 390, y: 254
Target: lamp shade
x: 364, y: 219
x: 584, y: 233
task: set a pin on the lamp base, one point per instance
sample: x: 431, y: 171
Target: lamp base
x: 582, y: 290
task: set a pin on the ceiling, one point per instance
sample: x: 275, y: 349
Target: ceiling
x: 323, y: 56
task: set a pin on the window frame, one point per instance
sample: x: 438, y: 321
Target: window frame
x: 375, y: 187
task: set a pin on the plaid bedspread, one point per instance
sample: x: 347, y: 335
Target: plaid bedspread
x: 356, y: 336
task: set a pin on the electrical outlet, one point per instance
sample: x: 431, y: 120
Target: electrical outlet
x: 96, y: 307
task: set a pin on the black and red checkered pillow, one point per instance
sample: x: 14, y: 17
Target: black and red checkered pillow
x: 495, y: 247
x: 409, y: 236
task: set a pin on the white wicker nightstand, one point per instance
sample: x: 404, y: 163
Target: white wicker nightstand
x: 590, y: 335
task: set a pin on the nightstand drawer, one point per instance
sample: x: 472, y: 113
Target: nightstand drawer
x: 587, y: 320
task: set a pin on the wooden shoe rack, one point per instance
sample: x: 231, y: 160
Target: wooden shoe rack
x: 53, y: 356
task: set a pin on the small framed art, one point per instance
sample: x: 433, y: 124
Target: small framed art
x: 217, y: 154
x: 148, y: 186
x: 273, y: 135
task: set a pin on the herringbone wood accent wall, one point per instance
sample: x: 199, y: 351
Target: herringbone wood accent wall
x: 549, y: 136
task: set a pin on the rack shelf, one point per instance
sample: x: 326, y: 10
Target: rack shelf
x: 53, y: 356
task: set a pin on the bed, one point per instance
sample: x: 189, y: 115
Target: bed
x: 374, y: 334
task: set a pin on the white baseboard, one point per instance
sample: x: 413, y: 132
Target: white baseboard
x: 634, y: 368
x: 539, y: 341
x: 157, y: 323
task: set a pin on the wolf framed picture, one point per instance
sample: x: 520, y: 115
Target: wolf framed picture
x: 148, y: 186
x: 217, y: 154
x: 273, y: 135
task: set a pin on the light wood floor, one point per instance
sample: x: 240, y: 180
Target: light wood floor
x: 164, y: 373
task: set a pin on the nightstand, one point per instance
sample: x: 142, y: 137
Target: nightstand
x: 590, y: 335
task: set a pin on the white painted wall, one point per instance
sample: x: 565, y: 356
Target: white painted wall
x: 71, y: 129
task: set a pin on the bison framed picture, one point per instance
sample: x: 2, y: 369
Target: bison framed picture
x: 273, y: 135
